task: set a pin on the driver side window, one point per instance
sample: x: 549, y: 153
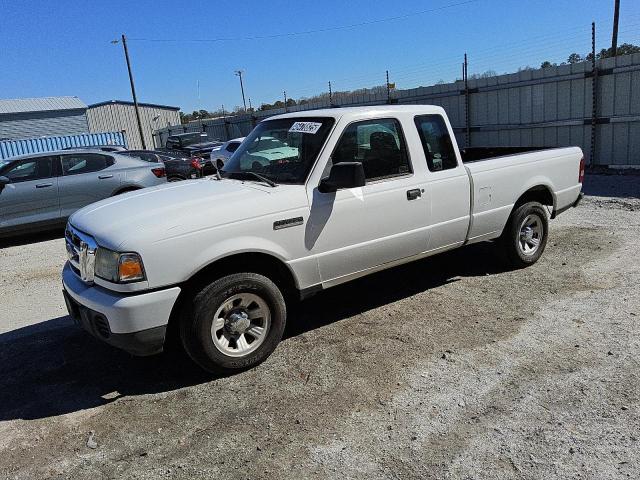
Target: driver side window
x: 31, y: 169
x: 378, y: 144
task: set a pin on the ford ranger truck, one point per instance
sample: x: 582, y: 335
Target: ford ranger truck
x: 310, y: 200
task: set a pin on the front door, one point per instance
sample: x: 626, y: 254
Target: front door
x: 356, y: 229
x: 32, y: 195
x: 86, y: 179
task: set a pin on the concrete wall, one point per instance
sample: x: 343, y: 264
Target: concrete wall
x: 116, y: 116
x: 40, y: 124
x: 544, y: 107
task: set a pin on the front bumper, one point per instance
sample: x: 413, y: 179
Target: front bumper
x: 136, y: 323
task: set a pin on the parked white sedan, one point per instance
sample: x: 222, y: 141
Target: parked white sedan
x: 220, y: 155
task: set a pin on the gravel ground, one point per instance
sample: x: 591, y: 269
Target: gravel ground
x: 450, y: 367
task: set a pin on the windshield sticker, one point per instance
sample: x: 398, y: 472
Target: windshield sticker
x: 305, y: 127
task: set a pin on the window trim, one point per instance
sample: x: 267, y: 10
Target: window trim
x: 401, y: 137
x: 424, y: 148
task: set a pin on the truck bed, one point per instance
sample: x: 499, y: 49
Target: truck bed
x: 474, y: 154
x: 497, y: 182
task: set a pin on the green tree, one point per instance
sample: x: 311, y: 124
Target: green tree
x: 574, y: 58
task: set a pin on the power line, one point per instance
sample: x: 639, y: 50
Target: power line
x: 308, y: 32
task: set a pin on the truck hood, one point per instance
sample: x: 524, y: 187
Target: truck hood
x: 130, y: 220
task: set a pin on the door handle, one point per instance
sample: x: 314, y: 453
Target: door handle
x: 413, y: 194
x: 44, y: 185
x: 103, y: 177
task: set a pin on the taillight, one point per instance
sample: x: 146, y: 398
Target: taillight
x: 581, y: 173
x: 159, y: 172
x: 195, y: 163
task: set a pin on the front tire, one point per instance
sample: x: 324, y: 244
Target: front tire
x: 525, y: 235
x: 234, y: 323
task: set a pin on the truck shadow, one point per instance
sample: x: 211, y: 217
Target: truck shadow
x: 26, y: 239
x: 53, y: 368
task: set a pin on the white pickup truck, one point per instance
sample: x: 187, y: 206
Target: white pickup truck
x: 308, y: 201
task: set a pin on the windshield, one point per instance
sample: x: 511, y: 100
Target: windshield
x: 193, y: 139
x: 3, y: 163
x: 186, y: 140
x: 281, y: 150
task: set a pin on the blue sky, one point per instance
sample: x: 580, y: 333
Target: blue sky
x: 63, y: 48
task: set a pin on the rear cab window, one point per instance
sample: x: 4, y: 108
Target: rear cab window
x: 436, y: 142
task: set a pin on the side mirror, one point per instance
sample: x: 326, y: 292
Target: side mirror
x: 4, y: 181
x: 343, y: 175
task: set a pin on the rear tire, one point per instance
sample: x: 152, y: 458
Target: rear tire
x: 525, y: 235
x: 234, y: 323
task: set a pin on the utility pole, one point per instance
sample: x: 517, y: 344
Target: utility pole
x: 466, y: 102
x: 226, y: 125
x: 388, y: 89
x: 330, y: 95
x: 614, y: 35
x: 133, y: 90
x: 594, y: 95
x: 285, y: 101
x: 239, y: 74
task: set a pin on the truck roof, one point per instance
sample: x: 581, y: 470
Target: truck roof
x: 359, y: 112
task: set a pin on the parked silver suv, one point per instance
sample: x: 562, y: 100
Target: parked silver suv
x: 41, y: 190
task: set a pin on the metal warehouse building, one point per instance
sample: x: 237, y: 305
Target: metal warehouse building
x: 118, y: 115
x: 39, y: 117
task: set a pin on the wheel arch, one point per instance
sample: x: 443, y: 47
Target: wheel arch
x: 262, y: 263
x: 178, y: 176
x: 540, y: 193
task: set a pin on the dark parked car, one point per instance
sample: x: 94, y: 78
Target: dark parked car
x: 192, y: 144
x: 177, y: 167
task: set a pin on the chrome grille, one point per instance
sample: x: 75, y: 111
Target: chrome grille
x: 81, y: 249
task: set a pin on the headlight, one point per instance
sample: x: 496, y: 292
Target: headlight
x: 118, y: 267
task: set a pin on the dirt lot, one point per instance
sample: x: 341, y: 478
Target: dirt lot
x: 447, y: 368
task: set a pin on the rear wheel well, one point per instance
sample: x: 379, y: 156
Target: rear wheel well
x: 250, y: 262
x: 540, y: 194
